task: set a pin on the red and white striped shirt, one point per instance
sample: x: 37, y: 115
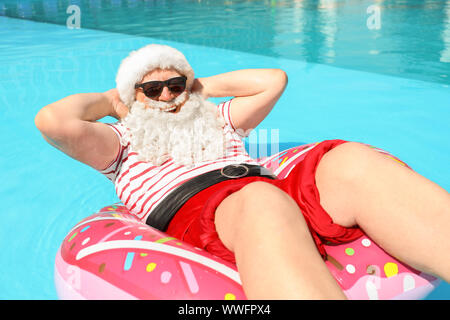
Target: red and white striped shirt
x: 141, y: 185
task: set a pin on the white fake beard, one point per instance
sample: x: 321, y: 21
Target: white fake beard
x: 192, y: 135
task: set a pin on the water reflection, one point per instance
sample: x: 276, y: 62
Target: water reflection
x: 445, y: 53
x: 412, y: 40
x: 328, y: 18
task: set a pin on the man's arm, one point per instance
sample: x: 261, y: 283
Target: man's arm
x: 255, y: 90
x: 70, y: 125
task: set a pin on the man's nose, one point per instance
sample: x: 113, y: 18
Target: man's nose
x: 165, y: 95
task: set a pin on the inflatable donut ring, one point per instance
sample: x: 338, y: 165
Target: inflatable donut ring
x: 114, y: 255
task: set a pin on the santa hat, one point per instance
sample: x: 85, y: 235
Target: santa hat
x: 138, y: 63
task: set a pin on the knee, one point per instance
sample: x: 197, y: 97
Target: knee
x: 348, y: 162
x: 254, y: 207
x: 265, y: 207
x: 258, y: 197
x: 261, y: 189
x: 339, y: 177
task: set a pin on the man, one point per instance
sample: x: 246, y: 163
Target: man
x: 179, y: 164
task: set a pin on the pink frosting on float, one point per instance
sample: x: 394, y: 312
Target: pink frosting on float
x: 120, y: 267
x: 365, y: 271
x: 146, y: 262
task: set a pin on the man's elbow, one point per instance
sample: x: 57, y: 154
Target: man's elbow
x: 280, y: 78
x: 42, y: 120
x: 54, y: 131
x: 47, y: 122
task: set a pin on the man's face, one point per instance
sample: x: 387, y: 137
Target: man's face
x: 166, y: 95
x: 192, y: 135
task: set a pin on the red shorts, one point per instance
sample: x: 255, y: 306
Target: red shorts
x: 194, y: 222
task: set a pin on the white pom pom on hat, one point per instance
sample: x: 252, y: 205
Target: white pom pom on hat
x: 139, y: 62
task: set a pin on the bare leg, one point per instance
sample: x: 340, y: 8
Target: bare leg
x: 275, y: 253
x: 405, y: 213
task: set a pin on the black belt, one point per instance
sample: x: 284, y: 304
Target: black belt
x: 161, y: 216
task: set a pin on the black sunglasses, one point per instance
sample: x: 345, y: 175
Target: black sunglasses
x: 152, y: 89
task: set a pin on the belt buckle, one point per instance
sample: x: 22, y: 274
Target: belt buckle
x: 234, y: 166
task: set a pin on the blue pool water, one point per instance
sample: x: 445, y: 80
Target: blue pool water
x: 381, y: 90
x: 404, y: 38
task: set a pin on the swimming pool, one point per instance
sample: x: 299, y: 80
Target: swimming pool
x: 406, y: 38
x: 402, y: 107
